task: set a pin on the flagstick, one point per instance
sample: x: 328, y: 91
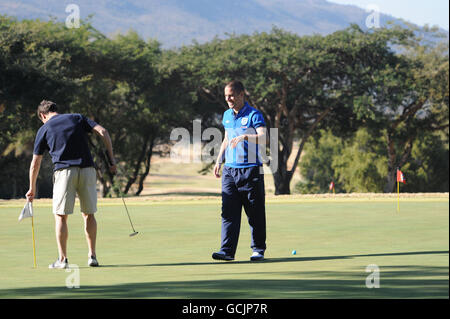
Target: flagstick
x: 34, y: 246
x: 398, y: 197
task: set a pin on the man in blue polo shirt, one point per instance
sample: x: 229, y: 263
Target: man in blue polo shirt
x: 242, y: 181
x: 64, y: 137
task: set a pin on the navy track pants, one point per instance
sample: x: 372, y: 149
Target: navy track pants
x: 243, y: 187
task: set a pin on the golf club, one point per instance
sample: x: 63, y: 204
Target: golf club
x: 134, y: 233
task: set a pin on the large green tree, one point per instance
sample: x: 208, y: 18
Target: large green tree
x: 359, y: 163
x: 37, y: 60
x: 316, y: 164
x: 409, y: 98
x: 118, y: 82
x: 122, y: 94
x: 296, y: 82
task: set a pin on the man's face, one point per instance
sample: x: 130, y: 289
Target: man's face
x: 234, y: 101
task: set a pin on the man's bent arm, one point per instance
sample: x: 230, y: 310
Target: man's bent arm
x: 103, y: 133
x: 258, y: 138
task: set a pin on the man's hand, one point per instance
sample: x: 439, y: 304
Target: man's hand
x: 235, y: 141
x: 217, y: 170
x: 113, y: 169
x: 33, y: 174
x: 30, y: 195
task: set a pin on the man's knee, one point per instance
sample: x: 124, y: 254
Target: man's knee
x: 61, y: 218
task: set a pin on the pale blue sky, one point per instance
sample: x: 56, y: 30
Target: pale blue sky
x: 420, y: 12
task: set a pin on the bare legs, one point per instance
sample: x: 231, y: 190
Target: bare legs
x: 90, y: 230
x: 62, y: 233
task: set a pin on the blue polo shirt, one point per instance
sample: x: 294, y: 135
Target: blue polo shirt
x: 246, y: 121
x: 64, y: 136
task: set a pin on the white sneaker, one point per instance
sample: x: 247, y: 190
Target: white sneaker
x: 59, y: 264
x: 92, y: 262
x: 256, y: 256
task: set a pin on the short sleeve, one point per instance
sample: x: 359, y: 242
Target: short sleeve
x: 88, y: 124
x: 40, y: 143
x: 258, y: 120
x: 226, y: 119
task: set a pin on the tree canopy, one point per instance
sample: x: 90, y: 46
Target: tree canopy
x: 359, y: 104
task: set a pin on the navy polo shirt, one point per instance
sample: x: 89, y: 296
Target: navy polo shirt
x: 247, y: 120
x: 64, y: 136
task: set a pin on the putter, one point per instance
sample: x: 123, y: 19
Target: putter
x: 134, y: 233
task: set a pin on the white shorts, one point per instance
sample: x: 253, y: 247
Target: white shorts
x: 67, y: 183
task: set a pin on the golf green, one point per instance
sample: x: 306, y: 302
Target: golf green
x: 345, y: 248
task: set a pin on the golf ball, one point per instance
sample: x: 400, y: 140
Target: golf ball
x: 294, y: 252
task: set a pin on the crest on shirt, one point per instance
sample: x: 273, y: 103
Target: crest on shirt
x: 244, y: 121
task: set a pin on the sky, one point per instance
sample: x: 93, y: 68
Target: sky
x: 420, y: 12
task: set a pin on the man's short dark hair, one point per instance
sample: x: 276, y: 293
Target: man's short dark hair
x: 236, y: 86
x: 46, y: 107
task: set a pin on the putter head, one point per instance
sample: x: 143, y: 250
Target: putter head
x: 134, y: 234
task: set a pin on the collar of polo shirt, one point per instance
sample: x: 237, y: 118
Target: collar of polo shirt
x: 241, y: 110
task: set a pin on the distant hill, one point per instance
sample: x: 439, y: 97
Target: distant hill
x: 178, y: 22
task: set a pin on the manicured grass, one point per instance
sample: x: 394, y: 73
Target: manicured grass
x: 335, y: 240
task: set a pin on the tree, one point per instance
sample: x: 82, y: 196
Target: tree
x: 409, y: 98
x: 122, y: 83
x: 37, y: 60
x: 296, y: 82
x: 316, y: 164
x: 355, y: 164
x: 124, y: 94
x: 359, y: 163
x: 361, y: 167
x: 428, y: 169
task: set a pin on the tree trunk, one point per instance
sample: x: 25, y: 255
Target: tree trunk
x: 104, y: 187
x: 393, y: 163
x: 132, y: 179
x: 144, y: 175
x: 390, y: 181
x: 282, y: 177
x: 281, y: 184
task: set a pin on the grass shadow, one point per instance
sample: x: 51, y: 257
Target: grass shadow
x: 396, y: 282
x: 278, y: 260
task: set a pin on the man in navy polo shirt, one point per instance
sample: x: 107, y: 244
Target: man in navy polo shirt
x: 242, y: 181
x: 64, y: 137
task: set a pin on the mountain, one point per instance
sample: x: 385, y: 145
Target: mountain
x: 178, y: 22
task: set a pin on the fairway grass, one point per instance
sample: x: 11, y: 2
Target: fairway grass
x: 336, y: 239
